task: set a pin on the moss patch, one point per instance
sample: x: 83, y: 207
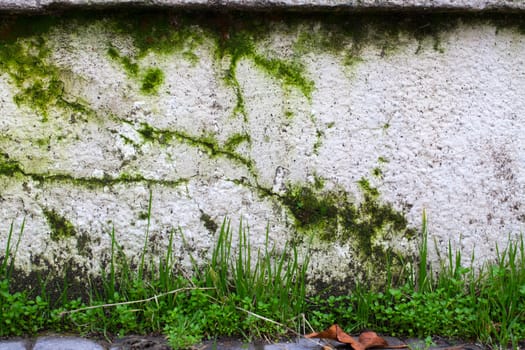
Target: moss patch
x: 160, y: 32
x: 151, y: 80
x: 61, y: 228
x: 242, y: 44
x: 9, y: 167
x: 208, y: 222
x: 207, y: 143
x: 26, y: 61
x: 235, y: 140
x: 291, y: 73
x: 238, y: 40
x: 131, y: 68
x: 334, y: 216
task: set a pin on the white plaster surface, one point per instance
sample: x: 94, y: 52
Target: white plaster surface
x: 446, y: 128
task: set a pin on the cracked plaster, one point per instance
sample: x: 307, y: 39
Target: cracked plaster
x: 447, y: 123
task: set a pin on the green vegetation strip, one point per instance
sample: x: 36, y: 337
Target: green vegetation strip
x: 239, y: 293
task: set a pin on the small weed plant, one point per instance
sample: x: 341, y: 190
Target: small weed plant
x: 261, y: 294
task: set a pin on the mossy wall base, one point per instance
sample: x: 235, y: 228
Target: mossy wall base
x: 339, y: 130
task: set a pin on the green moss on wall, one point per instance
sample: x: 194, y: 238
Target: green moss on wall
x: 309, y: 208
x: 335, y: 216
x: 242, y: 44
x: 24, y: 54
x: 319, y: 182
x: 319, y: 136
x: 290, y: 73
x: 160, y: 32
x: 239, y: 40
x: 149, y: 78
x: 377, y: 172
x: 60, y: 227
x: 209, y: 223
x: 131, y: 68
x: 207, y: 143
x: 27, y: 63
x: 9, y: 167
x: 235, y: 140
x: 367, y: 189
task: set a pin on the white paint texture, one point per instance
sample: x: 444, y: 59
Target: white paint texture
x: 445, y: 128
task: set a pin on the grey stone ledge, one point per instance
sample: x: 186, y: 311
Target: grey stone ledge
x: 298, y: 5
x: 14, y: 344
x: 65, y: 343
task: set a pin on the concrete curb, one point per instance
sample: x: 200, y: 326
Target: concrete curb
x: 39, y: 6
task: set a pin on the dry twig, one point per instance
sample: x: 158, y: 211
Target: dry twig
x: 155, y: 297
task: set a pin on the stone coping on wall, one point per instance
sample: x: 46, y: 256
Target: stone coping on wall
x: 299, y: 5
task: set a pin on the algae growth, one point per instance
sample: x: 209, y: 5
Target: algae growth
x: 334, y: 216
x: 150, y: 78
x: 60, y: 227
x: 24, y: 56
x: 206, y: 143
x: 9, y: 167
x: 24, y: 53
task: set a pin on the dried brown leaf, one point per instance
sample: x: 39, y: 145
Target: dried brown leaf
x: 370, y: 339
x: 335, y: 332
x: 366, y: 340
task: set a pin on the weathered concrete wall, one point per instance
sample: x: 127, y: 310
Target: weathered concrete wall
x: 341, y: 127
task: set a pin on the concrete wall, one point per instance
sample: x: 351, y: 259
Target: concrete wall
x: 341, y: 127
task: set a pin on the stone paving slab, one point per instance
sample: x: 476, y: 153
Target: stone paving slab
x: 302, y: 5
x: 159, y: 343
x: 14, y: 345
x: 65, y: 343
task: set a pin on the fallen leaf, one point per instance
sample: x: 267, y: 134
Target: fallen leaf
x: 370, y: 339
x: 366, y: 340
x: 335, y: 332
